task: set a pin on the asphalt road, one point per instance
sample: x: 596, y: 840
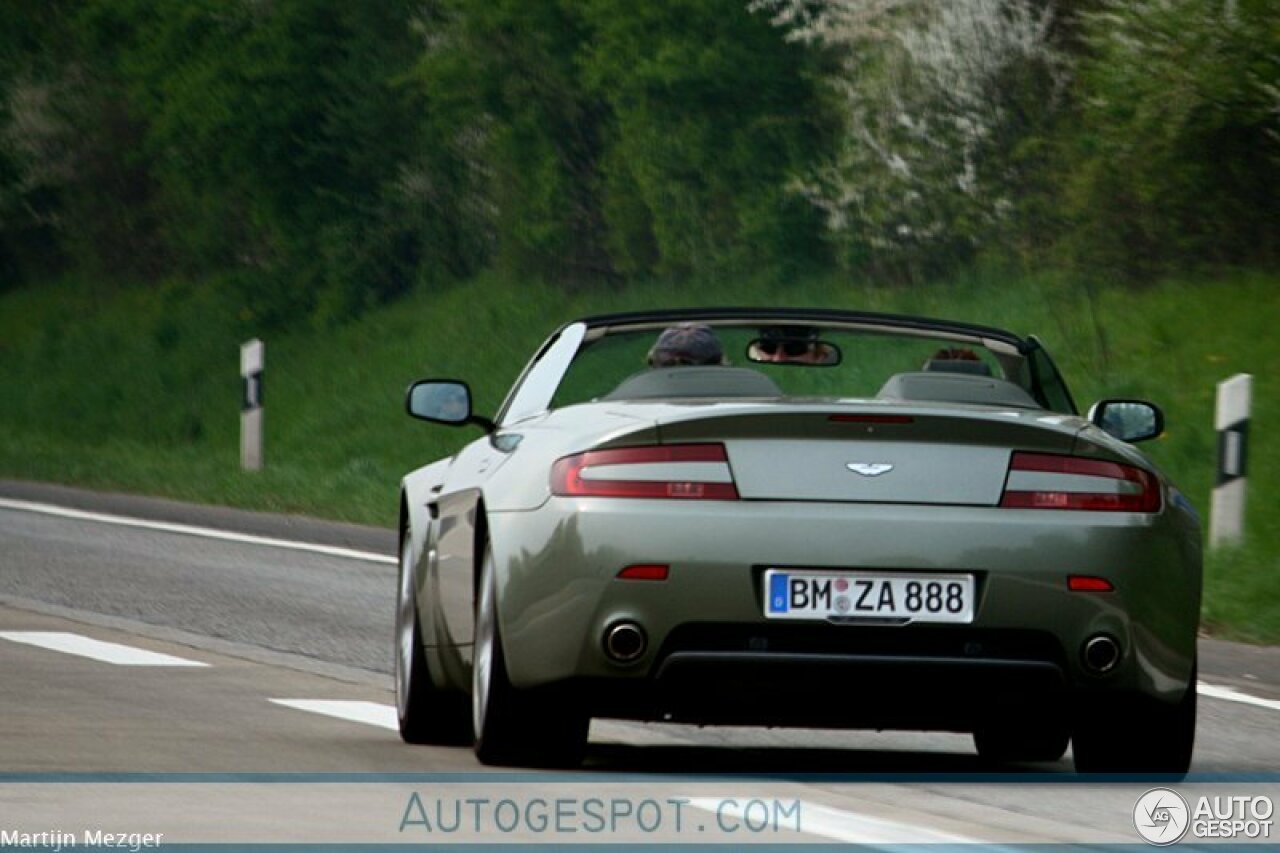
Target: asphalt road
x: 256, y: 627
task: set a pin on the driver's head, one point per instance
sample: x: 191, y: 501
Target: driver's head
x: 686, y: 343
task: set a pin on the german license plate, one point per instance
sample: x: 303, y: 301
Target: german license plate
x: 850, y: 596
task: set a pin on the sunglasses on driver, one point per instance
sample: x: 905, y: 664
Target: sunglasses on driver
x: 790, y: 347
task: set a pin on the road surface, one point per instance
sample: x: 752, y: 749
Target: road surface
x: 210, y: 675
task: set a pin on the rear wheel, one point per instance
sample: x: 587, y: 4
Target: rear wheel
x: 512, y: 726
x: 427, y: 713
x: 1138, y: 737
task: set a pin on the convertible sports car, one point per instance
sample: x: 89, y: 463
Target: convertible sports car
x: 798, y: 518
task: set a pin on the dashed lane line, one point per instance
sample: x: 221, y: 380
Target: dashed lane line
x: 114, y: 653
x: 1216, y: 692
x: 369, y: 713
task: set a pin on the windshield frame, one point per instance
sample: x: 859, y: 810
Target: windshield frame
x: 1024, y: 358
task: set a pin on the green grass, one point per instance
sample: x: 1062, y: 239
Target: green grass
x: 139, y: 390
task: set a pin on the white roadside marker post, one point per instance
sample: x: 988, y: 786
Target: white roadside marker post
x: 251, y: 363
x: 1231, y: 420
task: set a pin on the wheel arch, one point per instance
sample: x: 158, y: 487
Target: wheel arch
x: 481, y: 540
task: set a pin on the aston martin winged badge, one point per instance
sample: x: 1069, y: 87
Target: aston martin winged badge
x: 869, y: 469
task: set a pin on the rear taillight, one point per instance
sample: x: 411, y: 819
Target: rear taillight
x: 1089, y: 583
x: 1045, y: 481
x: 679, y: 471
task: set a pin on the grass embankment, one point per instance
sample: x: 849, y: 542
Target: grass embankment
x: 139, y: 391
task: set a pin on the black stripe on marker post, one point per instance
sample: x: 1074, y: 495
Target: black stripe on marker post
x: 1233, y: 446
x: 252, y: 394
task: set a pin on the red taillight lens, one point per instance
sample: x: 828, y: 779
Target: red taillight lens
x: 1045, y: 481
x: 654, y: 572
x: 1088, y: 583
x: 680, y: 471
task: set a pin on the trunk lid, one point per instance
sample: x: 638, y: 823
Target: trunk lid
x: 935, y: 454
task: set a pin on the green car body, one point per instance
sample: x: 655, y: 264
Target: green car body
x: 869, y: 542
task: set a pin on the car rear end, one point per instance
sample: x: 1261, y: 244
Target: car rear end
x: 850, y: 565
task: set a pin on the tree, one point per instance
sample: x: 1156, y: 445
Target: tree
x: 939, y: 101
x: 501, y: 83
x: 1176, y: 155
x: 713, y: 113
x: 71, y: 190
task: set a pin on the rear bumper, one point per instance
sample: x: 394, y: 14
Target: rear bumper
x: 945, y: 678
x: 708, y: 638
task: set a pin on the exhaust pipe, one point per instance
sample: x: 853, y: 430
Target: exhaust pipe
x: 1101, y: 653
x: 624, y: 641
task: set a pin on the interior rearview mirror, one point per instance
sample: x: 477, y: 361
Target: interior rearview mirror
x: 772, y: 349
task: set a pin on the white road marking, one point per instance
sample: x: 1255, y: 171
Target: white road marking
x: 74, y: 644
x: 192, y: 530
x: 1216, y: 692
x: 369, y: 713
x: 836, y: 824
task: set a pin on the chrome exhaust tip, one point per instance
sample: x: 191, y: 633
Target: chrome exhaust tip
x: 1101, y: 653
x: 624, y: 641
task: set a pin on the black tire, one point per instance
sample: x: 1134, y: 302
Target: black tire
x: 1017, y: 742
x: 428, y: 714
x: 515, y: 727
x: 1138, y: 737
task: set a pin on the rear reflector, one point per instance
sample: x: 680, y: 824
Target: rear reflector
x: 1045, y: 481
x: 679, y: 471
x: 644, y: 573
x: 1088, y: 583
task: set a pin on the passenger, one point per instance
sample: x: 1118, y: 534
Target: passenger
x: 954, y: 354
x: 957, y: 360
x: 686, y: 344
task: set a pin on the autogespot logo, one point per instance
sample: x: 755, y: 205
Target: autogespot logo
x: 1161, y: 816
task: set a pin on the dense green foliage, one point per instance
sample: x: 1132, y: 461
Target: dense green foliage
x: 711, y: 113
x: 322, y: 157
x: 1177, y: 159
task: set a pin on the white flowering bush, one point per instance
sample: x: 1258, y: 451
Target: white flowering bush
x: 936, y: 98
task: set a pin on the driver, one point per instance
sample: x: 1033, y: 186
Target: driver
x: 686, y: 344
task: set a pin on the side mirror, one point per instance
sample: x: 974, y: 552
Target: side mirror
x: 442, y: 401
x: 1128, y: 420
